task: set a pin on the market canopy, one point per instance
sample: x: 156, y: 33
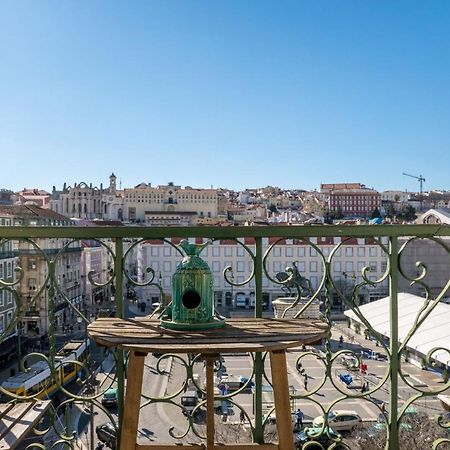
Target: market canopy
x: 434, y: 331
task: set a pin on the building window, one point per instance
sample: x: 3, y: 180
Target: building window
x: 337, y: 268
x: 240, y: 251
x: 313, y: 266
x: 348, y: 251
x: 155, y: 251
x: 215, y: 266
x: 361, y: 251
x: 216, y: 251
x: 167, y: 266
x: 240, y: 266
x: 289, y: 252
x: 373, y: 266
x: 167, y: 251
x: 372, y: 251
x: 301, y: 266
x: 301, y: 251
x: 277, y: 251
x: 228, y: 251
x: 349, y: 266
x: 277, y: 266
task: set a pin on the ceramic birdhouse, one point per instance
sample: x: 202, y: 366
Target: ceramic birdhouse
x: 193, y: 297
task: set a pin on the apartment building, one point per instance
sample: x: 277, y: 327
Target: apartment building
x: 351, y: 199
x: 6, y: 197
x: 96, y: 265
x: 33, y: 259
x: 37, y: 197
x: 347, y: 264
x: 8, y: 263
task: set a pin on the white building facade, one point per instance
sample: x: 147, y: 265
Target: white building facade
x: 346, y: 267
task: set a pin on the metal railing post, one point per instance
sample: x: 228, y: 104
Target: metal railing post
x: 259, y: 363
x: 393, y: 345
x: 118, y: 267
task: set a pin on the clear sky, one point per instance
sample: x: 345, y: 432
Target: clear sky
x: 236, y: 94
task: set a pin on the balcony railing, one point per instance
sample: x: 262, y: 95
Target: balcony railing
x: 395, y: 386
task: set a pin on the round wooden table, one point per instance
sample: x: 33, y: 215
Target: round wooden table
x: 142, y: 335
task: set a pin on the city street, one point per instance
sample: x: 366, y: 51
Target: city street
x: 157, y: 418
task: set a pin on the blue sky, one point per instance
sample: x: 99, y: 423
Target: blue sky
x: 225, y: 93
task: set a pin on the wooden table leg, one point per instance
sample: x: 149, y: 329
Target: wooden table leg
x: 128, y: 436
x: 210, y: 401
x: 281, y: 399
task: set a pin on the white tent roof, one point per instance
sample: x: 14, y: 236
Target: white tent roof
x: 434, y: 331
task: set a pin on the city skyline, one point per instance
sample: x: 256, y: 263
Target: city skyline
x: 104, y: 181
x: 233, y: 95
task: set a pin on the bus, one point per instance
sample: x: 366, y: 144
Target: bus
x: 38, y: 380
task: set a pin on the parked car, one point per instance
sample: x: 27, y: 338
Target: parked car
x: 189, y: 401
x: 272, y: 418
x: 313, y: 434
x: 106, y: 312
x: 339, y: 420
x: 107, y: 434
x: 109, y: 398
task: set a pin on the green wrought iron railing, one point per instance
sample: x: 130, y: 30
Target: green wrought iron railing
x: 72, y: 384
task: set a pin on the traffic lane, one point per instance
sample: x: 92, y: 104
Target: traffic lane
x: 155, y: 419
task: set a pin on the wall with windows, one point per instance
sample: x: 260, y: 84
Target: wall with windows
x: 347, y: 264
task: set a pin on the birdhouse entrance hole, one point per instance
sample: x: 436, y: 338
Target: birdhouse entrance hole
x: 191, y: 299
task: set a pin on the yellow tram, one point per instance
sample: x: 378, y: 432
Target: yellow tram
x: 38, y: 379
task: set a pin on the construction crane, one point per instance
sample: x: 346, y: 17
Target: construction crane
x: 420, y: 179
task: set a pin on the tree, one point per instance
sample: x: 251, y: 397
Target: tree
x: 390, y: 210
x: 375, y: 213
x: 416, y: 432
x: 408, y: 214
x: 273, y: 209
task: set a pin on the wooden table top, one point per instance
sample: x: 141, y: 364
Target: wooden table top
x: 249, y: 335
x: 18, y: 420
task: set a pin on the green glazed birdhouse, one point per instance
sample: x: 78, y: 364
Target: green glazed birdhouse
x: 193, y: 296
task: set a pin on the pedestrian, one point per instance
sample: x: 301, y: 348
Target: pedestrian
x: 305, y: 381
x: 300, y: 416
x: 341, y: 341
x: 242, y: 416
x: 300, y: 368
